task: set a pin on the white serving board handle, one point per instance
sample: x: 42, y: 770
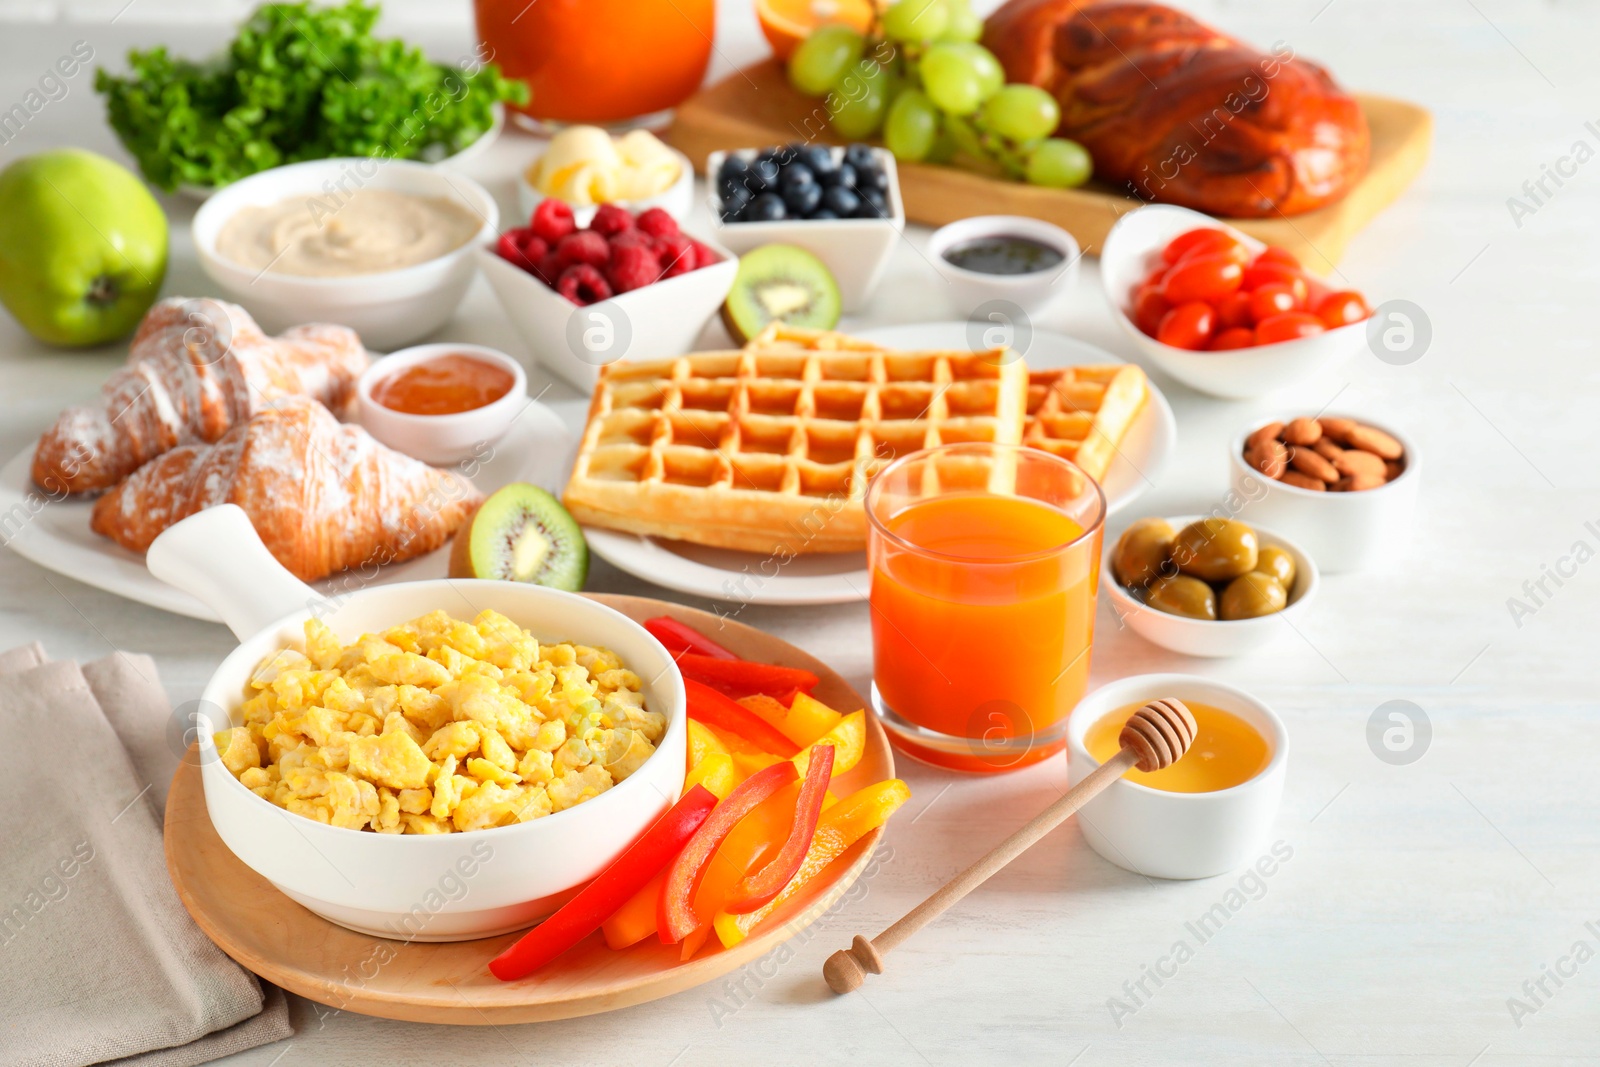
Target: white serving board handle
x: 216, y: 556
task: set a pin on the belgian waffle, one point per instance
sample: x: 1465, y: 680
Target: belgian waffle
x: 1083, y: 413
x: 769, y: 449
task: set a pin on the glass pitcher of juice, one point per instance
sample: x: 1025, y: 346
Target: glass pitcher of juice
x: 985, y: 566
x: 600, y: 61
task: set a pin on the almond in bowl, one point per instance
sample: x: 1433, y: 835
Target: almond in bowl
x: 1344, y: 488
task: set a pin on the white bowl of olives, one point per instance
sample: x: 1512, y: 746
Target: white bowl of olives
x: 1206, y: 585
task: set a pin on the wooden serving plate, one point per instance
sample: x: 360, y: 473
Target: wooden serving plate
x: 757, y: 107
x: 272, y: 936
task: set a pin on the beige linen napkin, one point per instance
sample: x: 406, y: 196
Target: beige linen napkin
x: 98, y: 959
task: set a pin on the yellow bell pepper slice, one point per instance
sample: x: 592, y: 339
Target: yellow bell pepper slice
x: 716, y: 772
x: 803, y: 723
x: 841, y: 826
x: 849, y: 741
x: 703, y: 742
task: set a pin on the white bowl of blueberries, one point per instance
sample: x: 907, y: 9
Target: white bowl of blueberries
x: 841, y: 204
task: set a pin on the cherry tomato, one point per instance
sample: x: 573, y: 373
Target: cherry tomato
x: 1206, y: 278
x: 1156, y: 276
x: 1148, y: 307
x: 1233, y: 311
x: 1342, y: 308
x: 1233, y: 337
x: 1274, y: 254
x: 1203, y: 241
x: 1287, y: 327
x: 1258, y: 274
x: 1271, y: 299
x: 1187, y: 325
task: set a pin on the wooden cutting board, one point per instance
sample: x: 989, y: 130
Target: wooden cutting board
x: 757, y: 107
x: 449, y: 982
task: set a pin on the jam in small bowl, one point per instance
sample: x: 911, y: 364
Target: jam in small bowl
x: 442, y: 403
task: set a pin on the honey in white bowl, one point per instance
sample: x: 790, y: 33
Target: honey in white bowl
x: 1227, y: 751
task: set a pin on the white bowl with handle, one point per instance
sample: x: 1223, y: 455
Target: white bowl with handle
x: 1134, y: 246
x: 412, y: 887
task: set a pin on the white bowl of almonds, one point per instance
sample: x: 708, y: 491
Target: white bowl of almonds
x: 1343, y: 487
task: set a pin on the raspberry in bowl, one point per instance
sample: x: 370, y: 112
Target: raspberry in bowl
x: 624, y: 286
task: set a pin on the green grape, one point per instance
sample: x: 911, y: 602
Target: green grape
x: 964, y: 138
x: 1059, y: 164
x: 991, y: 75
x: 912, y: 126
x: 915, y: 20
x: 823, y: 58
x: 944, y: 147
x: 951, y: 79
x: 963, y: 23
x: 1021, y: 113
x: 856, y: 107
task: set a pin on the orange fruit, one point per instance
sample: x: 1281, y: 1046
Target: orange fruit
x: 788, y: 22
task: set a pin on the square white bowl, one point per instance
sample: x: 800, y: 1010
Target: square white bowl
x: 856, y: 251
x: 659, y: 321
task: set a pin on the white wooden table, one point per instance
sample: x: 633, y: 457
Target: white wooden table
x: 1418, y: 900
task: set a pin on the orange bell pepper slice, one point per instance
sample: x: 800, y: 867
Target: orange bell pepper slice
x: 840, y: 826
x: 804, y: 722
x: 759, y: 888
x: 675, y: 911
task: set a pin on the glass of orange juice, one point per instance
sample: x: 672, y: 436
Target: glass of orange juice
x: 608, y: 62
x: 985, y: 565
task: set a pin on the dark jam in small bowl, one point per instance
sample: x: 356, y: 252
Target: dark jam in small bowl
x: 1003, y: 254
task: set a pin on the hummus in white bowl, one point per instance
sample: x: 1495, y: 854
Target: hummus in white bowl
x: 367, y: 232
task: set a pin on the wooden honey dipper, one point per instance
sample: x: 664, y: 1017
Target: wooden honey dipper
x: 1154, y: 737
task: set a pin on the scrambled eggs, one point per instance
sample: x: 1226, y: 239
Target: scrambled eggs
x: 438, y: 725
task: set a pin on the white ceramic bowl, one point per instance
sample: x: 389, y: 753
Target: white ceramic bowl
x: 969, y: 290
x: 388, y: 309
x: 1134, y: 246
x: 1178, y: 835
x: 448, y: 887
x: 1215, y: 638
x: 442, y: 440
x: 676, y: 200
x: 1341, y: 531
x: 855, y: 251
x: 656, y: 322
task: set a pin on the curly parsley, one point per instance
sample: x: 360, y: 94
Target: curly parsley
x: 298, y: 83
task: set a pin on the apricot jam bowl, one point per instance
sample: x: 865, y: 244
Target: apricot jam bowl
x: 441, y: 403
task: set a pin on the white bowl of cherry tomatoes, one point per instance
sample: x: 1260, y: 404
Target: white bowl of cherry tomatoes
x: 1221, y: 311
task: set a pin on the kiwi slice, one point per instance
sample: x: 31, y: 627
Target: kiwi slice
x: 780, y: 283
x: 522, y: 534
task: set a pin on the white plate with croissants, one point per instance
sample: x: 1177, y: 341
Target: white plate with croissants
x: 210, y: 410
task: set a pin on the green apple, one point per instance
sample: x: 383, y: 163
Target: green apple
x: 83, y: 247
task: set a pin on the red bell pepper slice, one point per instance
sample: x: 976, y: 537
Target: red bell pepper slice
x: 680, y: 637
x: 758, y: 889
x: 712, y: 708
x: 595, y: 902
x: 742, y: 678
x: 675, y: 917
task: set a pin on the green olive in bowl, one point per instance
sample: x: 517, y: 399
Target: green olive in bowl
x: 1179, y: 594
x: 1278, y: 563
x: 1142, y: 552
x: 1216, y: 550
x: 1253, y: 595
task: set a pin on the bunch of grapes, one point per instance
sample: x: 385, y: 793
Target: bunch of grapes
x: 936, y: 94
